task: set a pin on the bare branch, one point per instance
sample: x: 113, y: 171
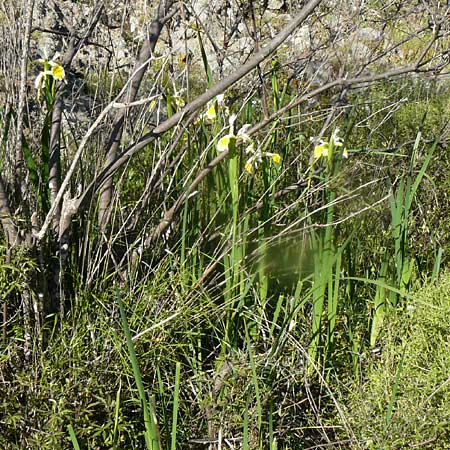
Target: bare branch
x: 351, y: 82
x: 54, y: 180
x: 18, y: 160
x: 74, y: 163
x: 9, y: 228
x: 200, y: 101
x: 117, y: 128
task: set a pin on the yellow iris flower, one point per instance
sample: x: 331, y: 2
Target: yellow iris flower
x: 224, y: 142
x: 210, y: 114
x: 254, y: 156
x: 322, y: 150
x: 51, y: 69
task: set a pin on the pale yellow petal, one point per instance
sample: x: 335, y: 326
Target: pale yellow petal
x: 250, y: 148
x: 179, y: 102
x: 58, y: 72
x: 211, y: 113
x: 224, y: 143
x: 38, y: 81
x: 248, y: 167
x: 321, y: 150
x: 276, y: 158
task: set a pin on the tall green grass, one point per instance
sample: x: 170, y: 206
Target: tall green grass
x: 151, y: 435
x: 241, y: 318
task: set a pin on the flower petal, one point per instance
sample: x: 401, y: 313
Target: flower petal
x: 224, y: 143
x: 40, y: 78
x: 276, y: 158
x: 58, y: 72
x: 231, y: 121
x: 250, y: 148
x: 321, y: 150
x: 337, y: 141
x: 243, y: 131
x: 252, y: 163
x: 210, y: 113
x: 179, y: 102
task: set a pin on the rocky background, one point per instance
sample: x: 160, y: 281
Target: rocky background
x: 355, y: 37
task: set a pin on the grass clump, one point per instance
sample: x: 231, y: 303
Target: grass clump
x: 405, y: 399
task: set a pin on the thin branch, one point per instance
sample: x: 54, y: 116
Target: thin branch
x: 350, y: 82
x: 115, y: 137
x: 9, y: 228
x: 62, y: 191
x: 18, y: 159
x: 54, y: 178
x: 200, y: 101
x: 108, y: 171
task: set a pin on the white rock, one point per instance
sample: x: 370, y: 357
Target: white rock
x: 275, y: 4
x: 301, y: 41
